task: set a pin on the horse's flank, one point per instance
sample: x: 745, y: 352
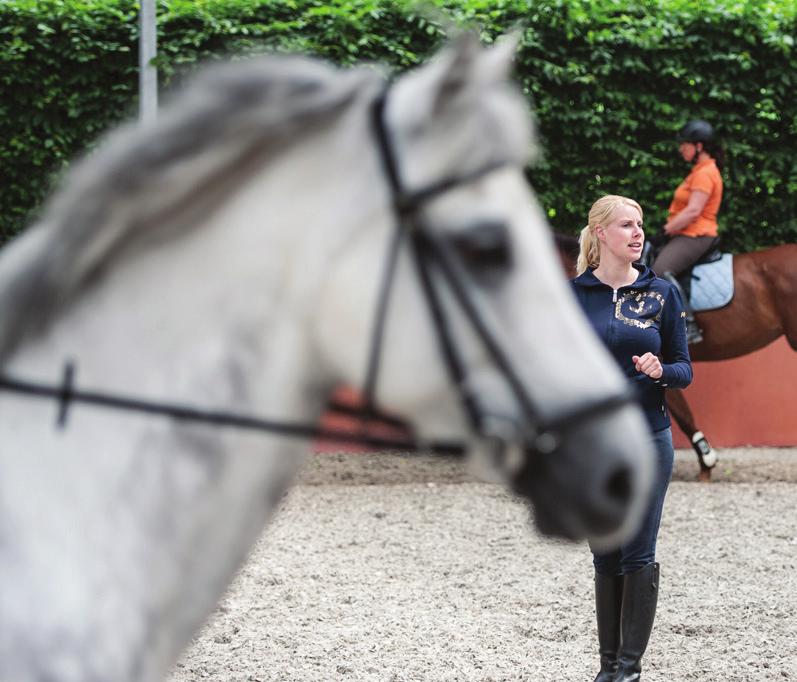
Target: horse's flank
x: 762, y: 309
x: 233, y: 118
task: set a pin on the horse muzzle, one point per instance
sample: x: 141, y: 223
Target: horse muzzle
x: 591, y: 480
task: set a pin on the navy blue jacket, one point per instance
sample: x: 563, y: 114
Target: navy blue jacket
x: 646, y: 316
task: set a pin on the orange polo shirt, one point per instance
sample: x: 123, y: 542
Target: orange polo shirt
x: 705, y: 177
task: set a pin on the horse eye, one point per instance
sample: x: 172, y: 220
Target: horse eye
x: 485, y: 245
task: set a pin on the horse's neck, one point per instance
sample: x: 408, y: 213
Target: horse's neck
x: 198, y: 314
x: 236, y: 292
x: 217, y: 318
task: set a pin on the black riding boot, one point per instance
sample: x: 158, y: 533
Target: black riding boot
x: 693, y: 332
x: 640, y: 594
x: 608, y: 603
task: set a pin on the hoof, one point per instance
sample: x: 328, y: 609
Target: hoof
x: 704, y: 476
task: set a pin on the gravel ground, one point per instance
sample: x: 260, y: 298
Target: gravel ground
x: 386, y: 568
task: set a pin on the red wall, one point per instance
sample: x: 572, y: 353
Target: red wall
x: 346, y: 423
x: 745, y: 401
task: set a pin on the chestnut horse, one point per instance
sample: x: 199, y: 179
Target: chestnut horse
x: 763, y: 308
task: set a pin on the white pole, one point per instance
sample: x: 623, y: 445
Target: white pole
x: 147, y: 74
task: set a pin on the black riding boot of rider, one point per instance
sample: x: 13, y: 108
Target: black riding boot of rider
x: 608, y: 603
x: 693, y: 332
x: 640, y: 594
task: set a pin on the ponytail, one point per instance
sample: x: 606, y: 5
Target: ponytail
x: 589, y: 252
x: 717, y: 153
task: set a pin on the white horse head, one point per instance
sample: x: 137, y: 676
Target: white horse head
x: 231, y: 256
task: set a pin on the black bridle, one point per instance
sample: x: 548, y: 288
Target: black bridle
x: 537, y: 435
x: 431, y: 254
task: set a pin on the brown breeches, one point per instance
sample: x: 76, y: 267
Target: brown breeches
x: 679, y: 253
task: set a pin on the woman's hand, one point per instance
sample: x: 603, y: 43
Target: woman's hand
x: 648, y: 364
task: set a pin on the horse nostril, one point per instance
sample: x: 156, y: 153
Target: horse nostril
x: 618, y: 486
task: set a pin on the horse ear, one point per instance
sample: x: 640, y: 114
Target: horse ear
x: 456, y: 68
x: 461, y: 75
x: 497, y: 62
x: 465, y: 64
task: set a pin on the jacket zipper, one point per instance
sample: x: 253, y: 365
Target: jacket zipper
x: 610, y: 334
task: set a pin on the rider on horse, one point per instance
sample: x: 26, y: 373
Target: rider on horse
x: 691, y: 228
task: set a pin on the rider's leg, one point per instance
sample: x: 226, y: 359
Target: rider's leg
x: 676, y: 256
x: 679, y: 253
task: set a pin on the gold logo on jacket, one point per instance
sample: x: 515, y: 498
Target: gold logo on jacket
x: 639, y: 308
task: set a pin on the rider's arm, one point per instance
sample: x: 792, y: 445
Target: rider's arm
x: 690, y: 213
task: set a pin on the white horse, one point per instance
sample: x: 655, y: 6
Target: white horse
x: 231, y: 257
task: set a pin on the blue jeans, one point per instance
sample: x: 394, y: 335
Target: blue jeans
x: 641, y: 549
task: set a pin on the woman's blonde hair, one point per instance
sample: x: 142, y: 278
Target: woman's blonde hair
x: 589, y: 251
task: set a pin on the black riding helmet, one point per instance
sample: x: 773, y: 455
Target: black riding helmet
x: 696, y: 131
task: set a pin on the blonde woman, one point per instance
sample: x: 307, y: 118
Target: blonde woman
x: 640, y: 318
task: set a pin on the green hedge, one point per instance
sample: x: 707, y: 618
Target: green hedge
x: 610, y: 82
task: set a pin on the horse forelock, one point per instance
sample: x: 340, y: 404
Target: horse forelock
x: 146, y: 182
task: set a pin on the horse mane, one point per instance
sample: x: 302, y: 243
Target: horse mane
x: 147, y: 182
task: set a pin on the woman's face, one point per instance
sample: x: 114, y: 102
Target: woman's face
x: 622, y: 235
x: 688, y: 151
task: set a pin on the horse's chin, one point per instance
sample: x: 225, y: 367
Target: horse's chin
x: 596, y: 485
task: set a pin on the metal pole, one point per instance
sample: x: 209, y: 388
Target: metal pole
x: 147, y: 73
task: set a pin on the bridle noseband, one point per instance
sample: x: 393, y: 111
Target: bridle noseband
x: 431, y: 255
